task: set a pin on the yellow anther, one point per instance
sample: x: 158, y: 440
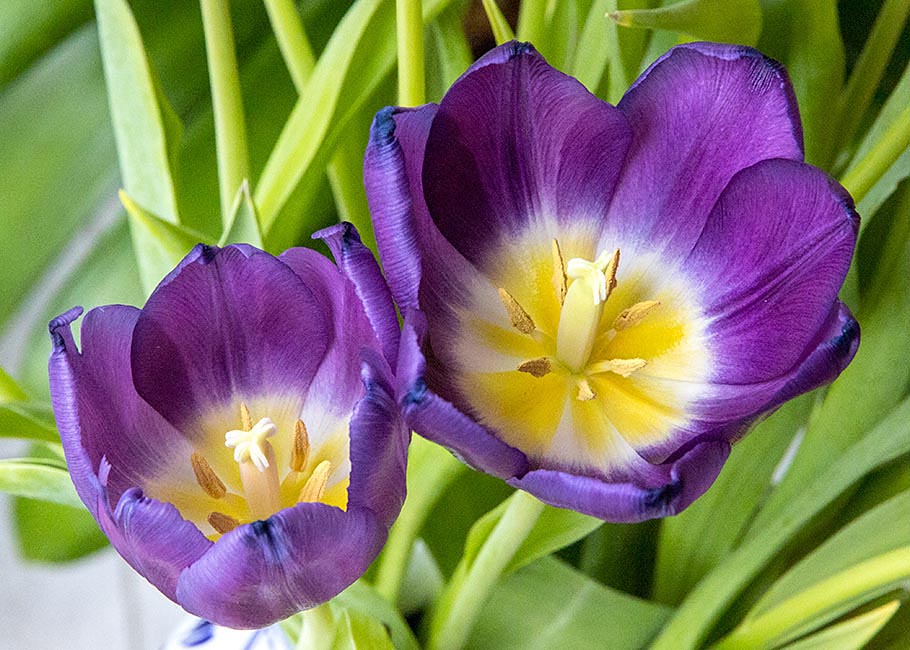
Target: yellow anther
x: 560, y: 281
x: 622, y: 367
x: 221, y: 522
x: 634, y: 314
x: 536, y: 367
x: 314, y: 487
x: 517, y: 315
x: 245, y: 420
x: 206, y: 477
x: 249, y: 444
x: 585, y: 392
x: 301, y: 448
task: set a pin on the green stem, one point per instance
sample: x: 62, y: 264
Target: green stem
x: 227, y: 103
x: 860, y: 178
x: 292, y: 41
x: 821, y: 601
x: 531, y: 20
x: 469, y: 590
x: 409, y: 27
x: 431, y: 469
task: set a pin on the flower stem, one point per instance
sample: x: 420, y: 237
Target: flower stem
x: 227, y: 103
x: 860, y: 178
x: 292, y: 41
x: 411, y: 81
x: 469, y: 589
x: 317, y: 630
x: 431, y: 469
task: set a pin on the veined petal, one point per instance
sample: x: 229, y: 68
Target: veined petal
x: 234, y: 323
x: 268, y: 570
x: 98, y: 409
x: 699, y: 114
x: 516, y: 142
x: 789, y: 232
x: 686, y: 479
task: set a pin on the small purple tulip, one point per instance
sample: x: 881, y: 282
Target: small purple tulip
x: 236, y: 438
x: 600, y: 299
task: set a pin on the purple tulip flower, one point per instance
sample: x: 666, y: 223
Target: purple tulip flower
x: 237, y: 439
x: 600, y: 299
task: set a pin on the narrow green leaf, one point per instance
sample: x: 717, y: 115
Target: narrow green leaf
x: 243, y: 225
x: 727, y: 21
x: 881, y: 157
x: 893, y: 107
x: 867, y: 73
x: 10, y: 391
x: 805, y: 36
x: 38, y: 478
x: 692, y: 621
x: 361, y: 597
x: 448, y: 52
x: 159, y: 244
x: 532, y: 20
x: 359, y: 632
x: 292, y: 40
x: 695, y: 541
x: 27, y: 420
x: 227, y: 103
x: 852, y: 634
x: 594, y: 45
x: 502, y: 31
x: 550, y: 605
x: 49, y: 532
x: 409, y: 33
x: 139, y: 128
x: 821, y: 603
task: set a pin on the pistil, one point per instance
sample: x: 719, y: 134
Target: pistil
x: 256, y: 458
x: 579, y: 320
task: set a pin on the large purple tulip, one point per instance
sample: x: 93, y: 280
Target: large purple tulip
x: 236, y: 438
x: 600, y: 299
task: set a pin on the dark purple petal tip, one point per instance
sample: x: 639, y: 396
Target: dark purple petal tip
x: 62, y: 321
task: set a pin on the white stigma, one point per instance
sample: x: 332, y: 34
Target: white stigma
x: 591, y: 274
x: 248, y: 446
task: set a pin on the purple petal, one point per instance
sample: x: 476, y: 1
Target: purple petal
x: 379, y: 446
x: 699, y: 114
x: 688, y: 478
x: 98, y: 411
x: 438, y: 420
x: 769, y: 265
x: 153, y: 538
x: 265, y: 571
x: 356, y: 261
x: 515, y: 142
x: 234, y: 323
x: 392, y: 177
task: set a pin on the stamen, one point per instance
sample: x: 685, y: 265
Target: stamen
x: 245, y: 420
x: 248, y: 444
x: 314, y: 488
x: 536, y: 367
x: 517, y: 315
x: 301, y: 449
x: 206, y: 477
x: 585, y: 392
x: 622, y: 367
x: 634, y: 314
x: 560, y: 281
x: 221, y: 522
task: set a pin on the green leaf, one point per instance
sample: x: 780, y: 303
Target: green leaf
x: 354, y: 63
x: 358, y: 632
x: 448, y: 52
x: 599, y: 51
x: 823, y: 602
x: 364, y: 599
x: 852, y: 634
x: 695, y: 541
x: 805, y: 37
x: 692, y: 621
x: 27, y: 420
x: 10, y: 391
x: 38, y: 478
x: 48, y: 532
x: 550, y: 605
x: 243, y: 224
x: 159, y: 244
x: 28, y: 29
x: 502, y: 30
x: 727, y: 21
x: 139, y: 126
